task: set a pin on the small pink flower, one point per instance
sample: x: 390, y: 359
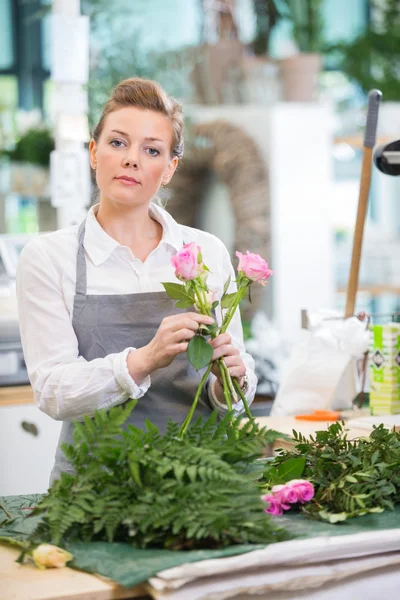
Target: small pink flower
x: 188, y: 262
x: 274, y: 507
x: 287, y: 496
x: 254, y: 267
x: 303, y: 488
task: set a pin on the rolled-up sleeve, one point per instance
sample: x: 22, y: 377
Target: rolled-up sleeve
x: 235, y: 330
x: 65, y: 385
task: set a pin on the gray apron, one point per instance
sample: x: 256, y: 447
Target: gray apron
x: 106, y: 324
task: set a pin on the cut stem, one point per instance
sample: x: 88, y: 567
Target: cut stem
x: 244, y: 399
x: 225, y: 385
x: 189, y: 417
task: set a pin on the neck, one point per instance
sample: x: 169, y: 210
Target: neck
x: 130, y: 226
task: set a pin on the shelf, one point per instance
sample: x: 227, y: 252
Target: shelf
x: 375, y: 290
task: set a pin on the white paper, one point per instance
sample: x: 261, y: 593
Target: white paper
x: 269, y: 582
x: 70, y: 49
x: 293, y: 552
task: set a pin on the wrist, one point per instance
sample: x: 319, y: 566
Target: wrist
x: 139, y: 364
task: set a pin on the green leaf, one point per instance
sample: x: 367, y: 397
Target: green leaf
x: 199, y: 352
x: 227, y: 299
x: 292, y: 468
x: 214, y: 304
x: 226, y: 286
x: 185, y: 303
x: 177, y: 292
x: 332, y: 517
x: 351, y: 479
x: 135, y: 472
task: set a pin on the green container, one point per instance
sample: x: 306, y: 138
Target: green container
x: 385, y: 369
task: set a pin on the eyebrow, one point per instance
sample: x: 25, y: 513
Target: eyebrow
x: 148, y: 139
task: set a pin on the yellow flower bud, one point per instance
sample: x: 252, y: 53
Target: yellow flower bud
x: 47, y: 555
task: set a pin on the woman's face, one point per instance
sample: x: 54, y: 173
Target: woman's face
x: 133, y: 155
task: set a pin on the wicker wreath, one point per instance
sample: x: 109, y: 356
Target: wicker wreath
x: 232, y: 154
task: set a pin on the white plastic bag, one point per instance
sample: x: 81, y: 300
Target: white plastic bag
x: 321, y: 371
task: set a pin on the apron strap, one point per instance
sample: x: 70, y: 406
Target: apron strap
x: 81, y: 278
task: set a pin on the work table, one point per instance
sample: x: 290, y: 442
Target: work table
x: 19, y: 394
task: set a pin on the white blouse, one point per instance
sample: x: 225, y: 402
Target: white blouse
x: 66, y: 386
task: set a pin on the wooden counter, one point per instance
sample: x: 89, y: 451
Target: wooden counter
x: 287, y: 424
x: 26, y: 582
x: 23, y: 394
x: 18, y: 394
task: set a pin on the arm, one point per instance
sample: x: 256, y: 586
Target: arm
x: 235, y: 331
x: 65, y: 385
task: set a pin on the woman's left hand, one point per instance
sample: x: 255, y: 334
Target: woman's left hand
x: 223, y: 348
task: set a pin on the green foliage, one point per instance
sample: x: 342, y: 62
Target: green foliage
x: 350, y: 477
x: 292, y: 468
x: 267, y: 16
x: 372, y: 59
x: 307, y: 24
x: 227, y: 300
x: 33, y: 147
x: 199, y: 352
x: 177, y: 291
x: 151, y: 490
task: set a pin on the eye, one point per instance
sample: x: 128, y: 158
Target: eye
x: 117, y: 143
x: 153, y: 151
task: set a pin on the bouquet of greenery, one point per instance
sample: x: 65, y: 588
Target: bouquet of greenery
x: 342, y: 478
x: 195, y: 486
x: 190, y: 269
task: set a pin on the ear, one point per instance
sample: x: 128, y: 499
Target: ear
x: 170, y: 170
x: 93, y: 153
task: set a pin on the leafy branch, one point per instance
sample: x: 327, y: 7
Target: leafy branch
x: 351, y: 477
x: 151, y: 490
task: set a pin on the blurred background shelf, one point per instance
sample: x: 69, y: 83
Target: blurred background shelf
x: 375, y: 290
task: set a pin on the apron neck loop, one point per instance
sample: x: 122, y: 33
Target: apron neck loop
x: 81, y: 278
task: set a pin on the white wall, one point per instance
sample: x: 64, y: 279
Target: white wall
x: 296, y: 141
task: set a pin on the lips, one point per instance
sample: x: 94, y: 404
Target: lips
x: 128, y: 180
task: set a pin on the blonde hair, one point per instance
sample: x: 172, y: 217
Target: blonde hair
x: 148, y: 95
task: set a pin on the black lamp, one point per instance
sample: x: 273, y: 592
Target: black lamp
x: 387, y: 158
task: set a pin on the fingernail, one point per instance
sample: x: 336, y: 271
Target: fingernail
x: 210, y: 320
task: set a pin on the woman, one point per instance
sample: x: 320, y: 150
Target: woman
x: 96, y: 325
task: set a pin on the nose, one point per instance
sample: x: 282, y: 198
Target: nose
x: 130, y: 160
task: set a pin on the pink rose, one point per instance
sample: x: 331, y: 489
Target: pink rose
x: 303, y: 488
x: 188, y: 262
x: 286, y: 496
x: 254, y: 267
x: 274, y: 507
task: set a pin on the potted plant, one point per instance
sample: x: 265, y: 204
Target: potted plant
x: 262, y: 71
x: 29, y: 162
x: 299, y: 73
x: 372, y: 60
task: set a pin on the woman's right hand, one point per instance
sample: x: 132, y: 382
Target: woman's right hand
x: 172, y: 338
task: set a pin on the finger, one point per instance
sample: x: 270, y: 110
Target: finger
x: 233, y: 361
x: 179, y: 348
x: 187, y: 320
x: 199, y: 318
x: 182, y: 335
x: 224, y: 350
x: 238, y: 372
x: 222, y: 339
